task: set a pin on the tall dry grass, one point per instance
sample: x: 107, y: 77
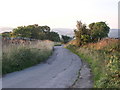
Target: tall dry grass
x: 17, y: 56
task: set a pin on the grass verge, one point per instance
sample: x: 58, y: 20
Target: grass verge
x: 18, y: 57
x: 104, y: 63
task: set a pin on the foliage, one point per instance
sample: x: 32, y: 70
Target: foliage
x: 98, y: 30
x: 66, y: 38
x: 95, y: 32
x: 85, y: 39
x: 36, y: 32
x: 17, y: 57
x: 53, y: 36
x: 6, y: 34
x: 30, y: 31
x: 105, y: 64
x: 81, y: 34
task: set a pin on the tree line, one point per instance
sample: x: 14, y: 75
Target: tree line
x: 34, y: 32
x: 83, y: 34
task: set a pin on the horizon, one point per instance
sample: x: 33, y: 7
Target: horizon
x: 9, y: 29
x: 58, y: 14
x: 113, y: 33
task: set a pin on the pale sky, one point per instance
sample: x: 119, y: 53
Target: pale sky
x: 57, y: 13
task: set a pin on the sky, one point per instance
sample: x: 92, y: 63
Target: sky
x: 57, y: 13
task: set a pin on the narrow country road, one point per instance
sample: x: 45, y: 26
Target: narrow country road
x: 59, y: 71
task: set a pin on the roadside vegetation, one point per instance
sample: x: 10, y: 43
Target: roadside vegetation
x: 104, y: 62
x: 65, y: 39
x: 26, y: 46
x: 19, y: 56
x: 102, y: 54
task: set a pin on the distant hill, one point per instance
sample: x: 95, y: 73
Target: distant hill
x: 64, y: 31
x: 114, y: 33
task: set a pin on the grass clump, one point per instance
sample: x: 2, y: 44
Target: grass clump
x: 18, y: 57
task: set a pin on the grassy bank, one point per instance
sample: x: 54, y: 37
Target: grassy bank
x: 104, y: 62
x: 19, y: 56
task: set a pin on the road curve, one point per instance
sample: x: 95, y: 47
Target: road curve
x: 59, y: 71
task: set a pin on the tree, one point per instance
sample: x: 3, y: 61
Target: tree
x: 32, y: 31
x: 98, y: 30
x: 66, y: 38
x: 6, y: 34
x: 36, y: 32
x: 82, y: 34
x: 53, y: 36
x: 46, y: 29
x: 22, y: 31
x: 95, y: 32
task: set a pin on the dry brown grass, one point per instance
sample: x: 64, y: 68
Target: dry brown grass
x: 99, y: 45
x: 17, y: 56
x: 8, y: 46
x: 102, y: 43
x: 73, y: 42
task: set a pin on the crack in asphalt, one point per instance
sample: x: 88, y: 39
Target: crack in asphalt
x: 84, y: 79
x: 78, y: 77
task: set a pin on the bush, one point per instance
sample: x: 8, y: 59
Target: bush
x: 66, y: 39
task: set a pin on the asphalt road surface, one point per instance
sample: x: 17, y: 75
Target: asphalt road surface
x: 59, y: 71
